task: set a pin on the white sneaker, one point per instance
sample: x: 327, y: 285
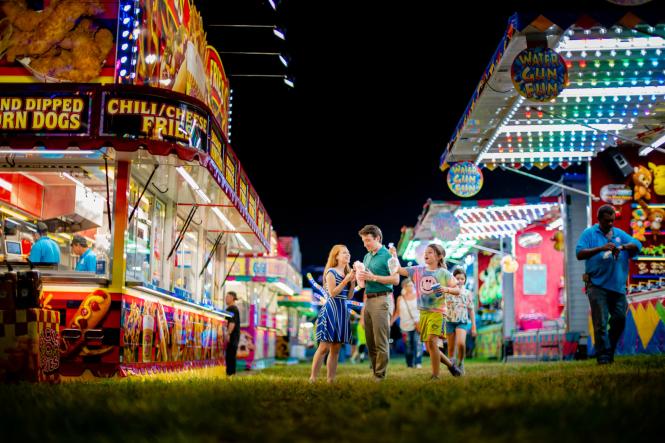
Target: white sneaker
x: 419, y: 366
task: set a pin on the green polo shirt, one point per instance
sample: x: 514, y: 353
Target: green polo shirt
x: 377, y: 264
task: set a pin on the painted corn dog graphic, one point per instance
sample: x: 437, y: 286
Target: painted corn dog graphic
x: 90, y: 313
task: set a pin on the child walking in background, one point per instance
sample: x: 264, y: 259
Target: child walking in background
x: 461, y: 319
x: 409, y: 316
x: 361, y: 349
x: 433, y: 282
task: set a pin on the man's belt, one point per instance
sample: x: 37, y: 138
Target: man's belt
x: 378, y: 294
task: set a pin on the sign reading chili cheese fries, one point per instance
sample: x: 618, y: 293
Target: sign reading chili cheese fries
x: 155, y: 118
x: 51, y: 115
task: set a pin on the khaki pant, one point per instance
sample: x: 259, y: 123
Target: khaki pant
x: 377, y: 332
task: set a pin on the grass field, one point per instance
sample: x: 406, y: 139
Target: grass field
x: 557, y: 402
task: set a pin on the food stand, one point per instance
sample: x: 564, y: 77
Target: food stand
x: 259, y: 283
x: 134, y: 158
x: 594, y: 97
x: 294, y: 324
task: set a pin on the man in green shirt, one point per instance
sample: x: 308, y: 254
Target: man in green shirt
x: 378, y: 287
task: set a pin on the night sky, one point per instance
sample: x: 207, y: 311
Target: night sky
x: 379, y: 90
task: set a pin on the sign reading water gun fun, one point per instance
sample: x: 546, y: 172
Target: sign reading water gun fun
x: 465, y: 179
x: 539, y: 74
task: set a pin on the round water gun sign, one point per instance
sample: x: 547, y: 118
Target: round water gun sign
x: 539, y: 74
x: 465, y: 179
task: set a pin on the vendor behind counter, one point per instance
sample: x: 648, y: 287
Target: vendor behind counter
x: 87, y: 261
x: 45, y: 249
x: 46, y: 252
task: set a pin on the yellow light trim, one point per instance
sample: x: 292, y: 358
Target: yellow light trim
x: 13, y: 214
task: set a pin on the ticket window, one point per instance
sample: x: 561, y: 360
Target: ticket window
x: 208, y: 283
x: 157, y: 256
x: 185, y: 274
x: 145, y: 236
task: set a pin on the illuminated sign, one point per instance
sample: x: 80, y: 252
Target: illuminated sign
x: 465, y: 179
x: 539, y: 74
x: 217, y: 149
x: 243, y: 190
x: 55, y: 114
x: 230, y: 171
x: 155, y: 118
x: 252, y: 205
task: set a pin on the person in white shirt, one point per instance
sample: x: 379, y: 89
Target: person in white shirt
x: 460, y: 320
x: 407, y: 311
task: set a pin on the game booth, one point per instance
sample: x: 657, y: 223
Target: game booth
x: 587, y: 91
x: 295, y: 325
x: 260, y: 283
x: 134, y: 159
x: 512, y: 253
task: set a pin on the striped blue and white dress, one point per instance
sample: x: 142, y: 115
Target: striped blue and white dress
x: 334, y: 324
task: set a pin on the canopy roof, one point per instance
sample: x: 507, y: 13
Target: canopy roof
x: 616, y: 94
x: 481, y: 221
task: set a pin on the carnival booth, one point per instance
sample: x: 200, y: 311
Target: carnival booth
x: 586, y: 91
x: 140, y: 168
x: 259, y: 283
x: 632, y: 180
x: 512, y: 252
x: 295, y: 314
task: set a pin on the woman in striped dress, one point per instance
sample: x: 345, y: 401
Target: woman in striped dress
x: 334, y: 327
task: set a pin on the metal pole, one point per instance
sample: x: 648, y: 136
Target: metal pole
x: 240, y: 26
x: 562, y: 186
x: 492, y: 250
x: 248, y: 53
x: 257, y: 75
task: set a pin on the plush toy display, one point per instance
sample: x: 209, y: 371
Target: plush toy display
x: 639, y: 224
x: 559, y: 241
x: 642, y: 181
x: 658, y: 178
x: 490, y: 291
x: 509, y: 265
x: 656, y: 217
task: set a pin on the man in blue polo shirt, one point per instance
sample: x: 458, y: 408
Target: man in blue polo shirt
x: 87, y: 261
x: 45, y: 250
x: 607, y: 251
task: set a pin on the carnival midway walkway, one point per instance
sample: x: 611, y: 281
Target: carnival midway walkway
x: 557, y: 402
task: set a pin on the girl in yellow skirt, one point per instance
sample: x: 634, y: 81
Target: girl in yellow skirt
x: 433, y: 281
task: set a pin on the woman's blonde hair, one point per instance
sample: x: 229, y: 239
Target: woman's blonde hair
x: 332, y: 262
x: 440, y: 252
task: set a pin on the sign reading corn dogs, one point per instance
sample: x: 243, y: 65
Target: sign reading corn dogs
x: 52, y: 115
x: 155, y: 118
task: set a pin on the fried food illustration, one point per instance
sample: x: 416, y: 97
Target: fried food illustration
x: 21, y: 17
x: 79, y: 56
x: 55, y: 46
